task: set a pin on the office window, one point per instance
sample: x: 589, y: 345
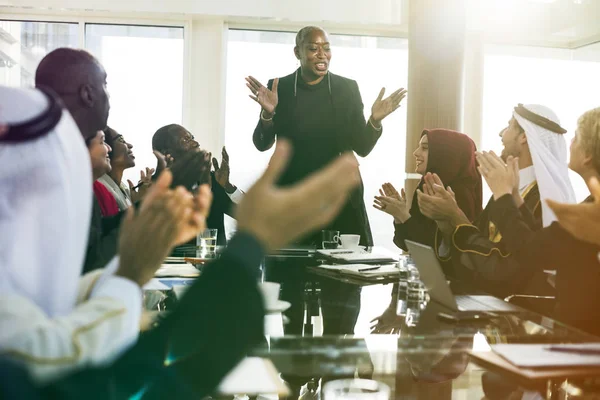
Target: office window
x: 145, y: 80
x: 374, y: 62
x: 23, y: 44
x: 564, y: 80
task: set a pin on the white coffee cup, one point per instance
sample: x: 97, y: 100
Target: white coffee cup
x: 350, y: 241
x: 270, y: 293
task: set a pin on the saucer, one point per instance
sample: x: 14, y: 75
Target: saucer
x: 356, y: 248
x: 281, y: 306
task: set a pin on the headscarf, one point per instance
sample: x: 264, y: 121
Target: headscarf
x: 452, y: 157
x: 44, y: 205
x: 548, y: 149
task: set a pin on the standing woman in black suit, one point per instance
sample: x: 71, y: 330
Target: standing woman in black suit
x: 322, y: 115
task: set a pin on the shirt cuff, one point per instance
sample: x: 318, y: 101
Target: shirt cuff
x: 462, y: 234
x: 247, y: 250
x: 236, y: 196
x: 121, y: 289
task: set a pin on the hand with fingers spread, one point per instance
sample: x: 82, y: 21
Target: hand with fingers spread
x: 166, y: 218
x: 222, y: 172
x: 383, y: 107
x: 276, y: 216
x: 393, y: 203
x: 267, y: 99
x: 387, y: 323
x: 501, y: 178
x: 581, y: 220
x: 138, y: 192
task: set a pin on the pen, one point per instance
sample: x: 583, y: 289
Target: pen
x: 368, y: 269
x: 341, y: 252
x: 575, y: 350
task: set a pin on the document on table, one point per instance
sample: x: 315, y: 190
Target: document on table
x: 362, y: 269
x: 180, y: 270
x: 550, y: 355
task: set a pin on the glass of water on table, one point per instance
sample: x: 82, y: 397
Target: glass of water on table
x: 206, y: 244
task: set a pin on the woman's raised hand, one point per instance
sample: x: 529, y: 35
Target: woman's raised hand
x: 267, y: 99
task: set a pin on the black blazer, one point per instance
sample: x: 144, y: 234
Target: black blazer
x: 352, y: 133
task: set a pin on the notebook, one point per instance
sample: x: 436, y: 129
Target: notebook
x: 540, y: 355
x: 365, y: 270
x: 177, y: 270
x: 344, y: 256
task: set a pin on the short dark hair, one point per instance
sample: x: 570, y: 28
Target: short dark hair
x: 162, y: 139
x: 304, y: 32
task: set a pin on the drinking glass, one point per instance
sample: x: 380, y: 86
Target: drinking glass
x: 330, y: 239
x: 206, y: 243
x: 356, y: 389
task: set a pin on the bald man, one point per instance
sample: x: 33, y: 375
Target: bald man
x: 80, y: 81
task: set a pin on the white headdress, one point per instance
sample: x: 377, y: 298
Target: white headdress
x: 45, y: 204
x: 548, y: 149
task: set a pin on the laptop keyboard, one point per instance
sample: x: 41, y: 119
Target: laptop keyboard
x: 483, y: 303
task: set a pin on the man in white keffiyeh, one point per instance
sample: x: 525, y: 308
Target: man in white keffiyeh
x: 548, y: 150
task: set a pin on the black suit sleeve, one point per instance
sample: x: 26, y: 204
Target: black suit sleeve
x: 363, y: 136
x: 217, y: 321
x: 419, y: 229
x: 221, y: 200
x: 263, y: 137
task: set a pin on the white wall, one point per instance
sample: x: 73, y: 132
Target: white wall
x: 387, y: 12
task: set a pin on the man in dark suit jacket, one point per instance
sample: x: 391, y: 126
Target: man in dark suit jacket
x: 322, y: 115
x: 177, y: 142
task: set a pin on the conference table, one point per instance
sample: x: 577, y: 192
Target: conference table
x: 420, y: 355
x: 401, y: 342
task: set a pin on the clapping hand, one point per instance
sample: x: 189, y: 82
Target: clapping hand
x: 166, y: 218
x: 392, y: 202
x: 276, y: 216
x: 435, y: 201
x: 501, y: 178
x: 383, y: 107
x: 163, y: 161
x: 138, y: 192
x: 267, y: 99
x: 191, y: 169
x: 222, y: 172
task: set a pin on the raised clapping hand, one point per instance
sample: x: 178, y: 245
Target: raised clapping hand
x: 138, y: 192
x: 392, y: 202
x: 267, y: 99
x: 501, y: 178
x: 383, y: 107
x: 166, y: 218
x: 581, y: 220
x: 276, y: 216
x: 222, y: 172
x: 437, y: 202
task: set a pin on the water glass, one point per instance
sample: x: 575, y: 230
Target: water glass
x: 356, y: 389
x: 330, y: 239
x: 206, y: 243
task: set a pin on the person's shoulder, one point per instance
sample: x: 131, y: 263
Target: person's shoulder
x: 288, y: 79
x: 343, y: 81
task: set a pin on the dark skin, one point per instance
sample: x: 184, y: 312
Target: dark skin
x: 122, y: 158
x: 183, y: 146
x: 82, y: 87
x: 314, y: 56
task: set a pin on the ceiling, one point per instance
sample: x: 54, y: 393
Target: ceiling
x: 555, y: 23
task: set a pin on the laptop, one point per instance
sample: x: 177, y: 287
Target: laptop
x: 432, y: 276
